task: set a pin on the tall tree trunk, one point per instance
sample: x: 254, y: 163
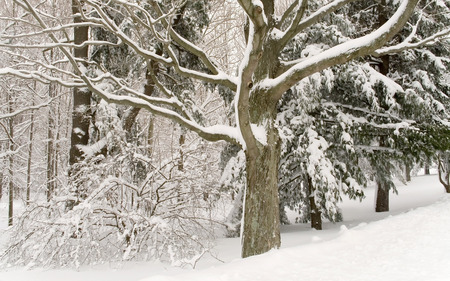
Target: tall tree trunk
x: 50, y: 148
x: 427, y: 167
x: 316, y: 215
x: 181, y: 142
x: 382, y: 190
x: 130, y: 118
x: 81, y: 115
x: 444, y: 170
x: 382, y: 198
x: 408, y: 171
x: 150, y: 135
x: 11, y: 162
x: 261, y: 229
x: 29, y: 160
x: 1, y: 185
x: 382, y: 195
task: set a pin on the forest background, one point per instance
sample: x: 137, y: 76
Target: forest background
x: 125, y: 124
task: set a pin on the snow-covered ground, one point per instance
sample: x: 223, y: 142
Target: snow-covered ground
x: 411, y: 242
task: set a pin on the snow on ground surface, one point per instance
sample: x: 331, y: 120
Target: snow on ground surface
x: 411, y: 242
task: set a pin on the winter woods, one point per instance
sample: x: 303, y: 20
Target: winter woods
x: 317, y: 95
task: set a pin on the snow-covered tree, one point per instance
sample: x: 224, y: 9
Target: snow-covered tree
x: 360, y: 105
x: 261, y: 81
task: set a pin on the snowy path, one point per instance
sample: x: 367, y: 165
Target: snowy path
x: 403, y: 244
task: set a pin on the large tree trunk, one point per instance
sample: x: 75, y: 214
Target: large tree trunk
x: 261, y: 229
x: 81, y: 115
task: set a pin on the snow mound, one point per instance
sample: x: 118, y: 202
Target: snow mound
x: 411, y: 246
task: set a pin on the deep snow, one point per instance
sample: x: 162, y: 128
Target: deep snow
x: 411, y: 242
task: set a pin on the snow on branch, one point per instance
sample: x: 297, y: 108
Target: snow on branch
x: 218, y: 77
x: 28, y: 108
x: 186, y: 44
x: 255, y: 11
x: 212, y: 133
x: 343, y: 52
x: 100, y: 86
x: 39, y: 76
x: 298, y: 26
x: 408, y: 44
x: 64, y: 27
x: 59, y: 44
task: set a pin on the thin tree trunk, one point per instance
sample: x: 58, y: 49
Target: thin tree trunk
x: 50, y: 152
x: 316, y: 215
x: 181, y: 142
x: 382, y: 191
x: 382, y: 198
x: 1, y: 185
x: 150, y: 132
x: 444, y: 170
x: 408, y: 171
x: 11, y: 163
x: 29, y: 160
x: 427, y: 168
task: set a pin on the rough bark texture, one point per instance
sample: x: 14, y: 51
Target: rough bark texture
x: 261, y: 211
x: 81, y: 115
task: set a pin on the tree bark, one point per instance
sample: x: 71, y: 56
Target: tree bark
x: 261, y: 229
x: 261, y: 213
x: 316, y: 215
x: 382, y: 191
x: 427, y: 168
x: 444, y: 170
x: 29, y: 160
x: 11, y: 162
x: 50, y: 152
x: 382, y: 200
x: 81, y: 115
x: 382, y: 195
x: 407, y: 171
